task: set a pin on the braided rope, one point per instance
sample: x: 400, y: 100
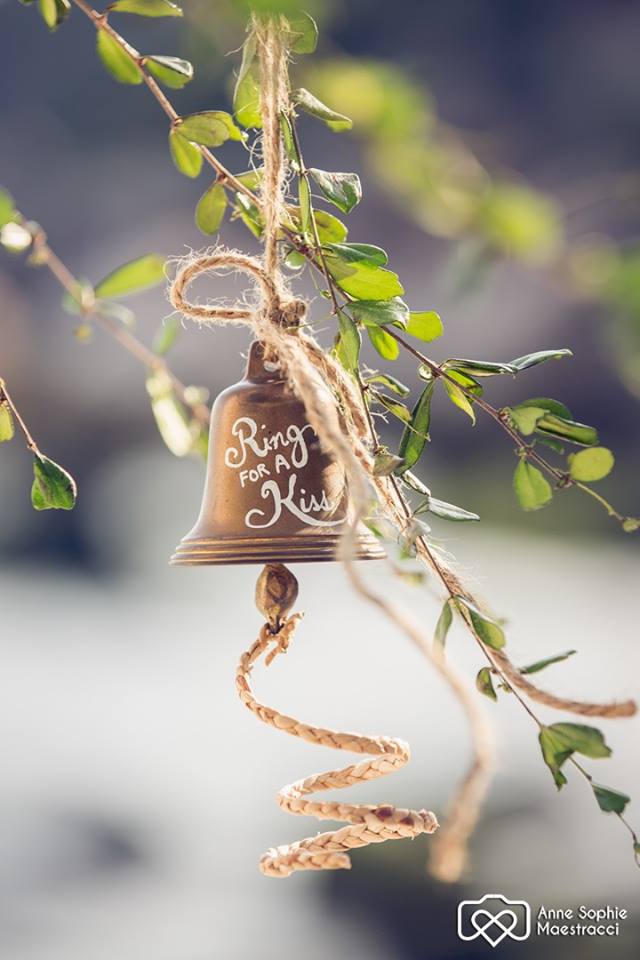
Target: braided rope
x: 366, y: 823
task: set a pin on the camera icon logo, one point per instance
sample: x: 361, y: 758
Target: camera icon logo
x: 494, y: 918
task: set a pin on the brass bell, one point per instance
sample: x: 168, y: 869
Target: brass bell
x: 271, y: 493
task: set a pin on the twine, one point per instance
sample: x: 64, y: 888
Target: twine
x: 338, y: 418
x: 367, y: 823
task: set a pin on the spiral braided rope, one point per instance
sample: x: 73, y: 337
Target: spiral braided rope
x: 367, y: 823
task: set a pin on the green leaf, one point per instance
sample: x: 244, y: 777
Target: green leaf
x: 415, y: 483
x: 554, y: 754
x: 347, y: 348
x: 170, y: 416
x: 342, y: 189
x: 209, y: 128
x: 171, y: 71
x: 166, y: 336
x: 561, y: 740
x: 210, y: 209
x: 118, y: 63
x: 359, y: 253
x: 288, y: 141
x: 393, y: 406
x: 396, y: 386
x: 425, y: 325
x: 304, y: 195
x: 531, y: 488
x: 362, y: 281
x: 609, y: 800
x: 415, y: 435
x: 449, y: 511
x: 303, y: 34
x: 246, y: 96
x: 7, y: 208
x: 310, y: 104
x: 480, y: 368
x: 458, y: 398
x: 133, y: 276
x: 486, y: 628
x: 249, y: 214
x: 546, y: 403
x: 54, y: 12
x: 442, y: 626
x: 186, y: 156
x: 380, y: 312
x: 385, y: 345
x: 7, y: 429
x: 330, y: 229
x: 541, y: 664
x: 533, y: 359
x: 146, y: 8
x: 385, y: 463
x: 484, y: 683
x: 53, y: 488
x: 590, y: 465
x: 525, y: 419
x: 568, y: 429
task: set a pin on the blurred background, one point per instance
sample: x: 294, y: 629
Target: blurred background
x: 499, y: 149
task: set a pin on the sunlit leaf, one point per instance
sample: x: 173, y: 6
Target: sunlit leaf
x: 561, y: 740
x: 569, y: 430
x: 186, y: 156
x: 7, y: 429
x: 170, y: 415
x: 347, y: 348
x: 171, y: 71
x: 458, y: 398
x: 210, y: 209
x: 304, y: 195
x: 342, y: 189
x: 303, y: 33
x: 53, y: 488
x: 480, y: 368
x: 114, y: 59
x: 7, y: 208
x: 131, y: 277
x: 209, y: 128
x: 425, y: 325
x: 384, y: 344
x: 363, y: 281
x: 385, y: 463
x: 393, y: 406
x: 54, y: 12
x: 590, y: 465
x: 330, y: 229
x: 166, y: 336
x: 246, y: 96
x: 531, y: 488
x: 310, y: 104
x: 146, y: 8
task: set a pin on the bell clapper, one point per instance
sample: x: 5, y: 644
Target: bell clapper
x: 276, y: 593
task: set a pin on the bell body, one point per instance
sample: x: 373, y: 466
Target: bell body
x: 271, y: 493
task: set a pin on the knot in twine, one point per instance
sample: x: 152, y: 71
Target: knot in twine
x: 275, y: 307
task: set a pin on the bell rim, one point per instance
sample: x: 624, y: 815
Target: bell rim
x: 208, y: 551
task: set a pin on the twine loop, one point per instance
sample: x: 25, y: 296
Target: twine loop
x: 275, y: 306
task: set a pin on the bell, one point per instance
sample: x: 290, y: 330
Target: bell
x: 271, y: 493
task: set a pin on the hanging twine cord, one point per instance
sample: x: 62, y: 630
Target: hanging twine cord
x: 366, y: 823
x: 339, y: 420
